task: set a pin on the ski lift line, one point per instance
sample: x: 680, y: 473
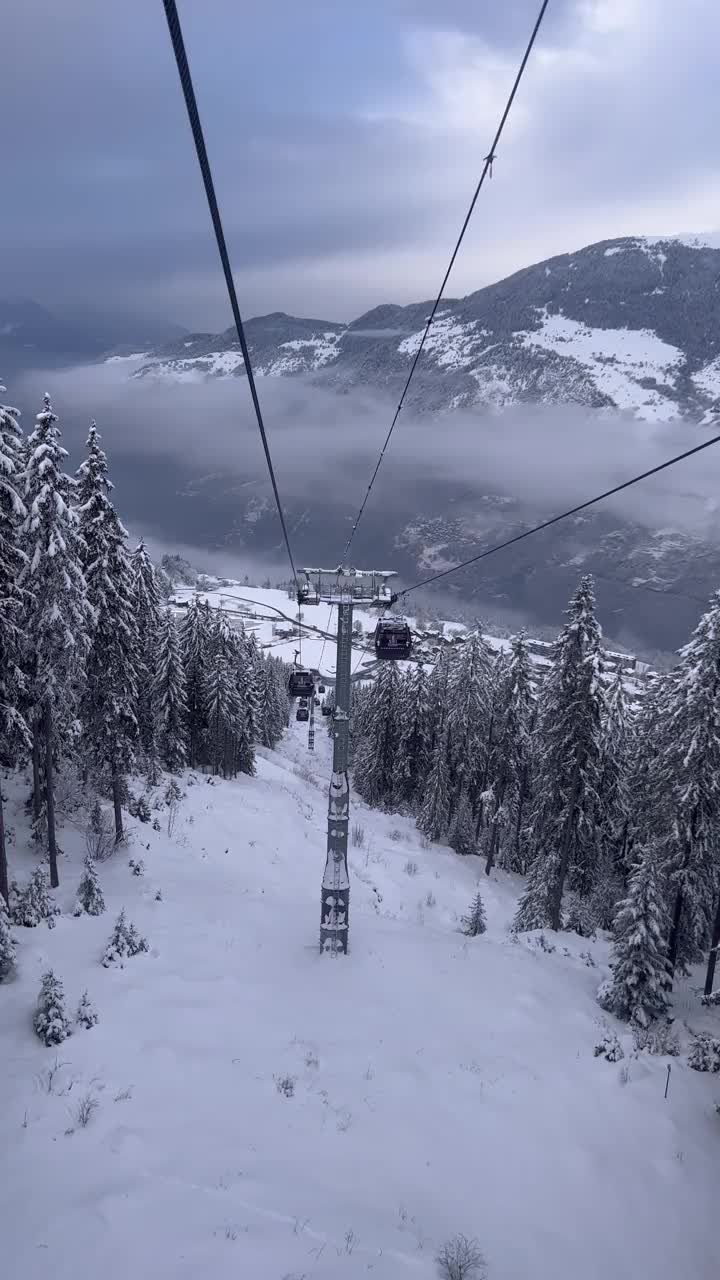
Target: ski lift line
x: 486, y: 171
x: 564, y: 515
x: 186, y: 82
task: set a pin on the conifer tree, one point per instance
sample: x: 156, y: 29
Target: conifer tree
x: 86, y: 1015
x: 434, y: 812
x: 566, y: 811
x: 90, y: 900
x: 195, y: 637
x: 474, y: 923
x: 614, y: 807
x: 171, y: 697
x: 225, y: 717
x: 513, y: 720
x: 639, y: 981
x: 7, y: 944
x: 147, y: 611
x: 14, y: 733
x: 58, y: 616
x: 412, y: 761
x: 376, y: 754
x: 693, y: 760
x: 462, y: 837
x: 469, y: 717
x: 50, y: 1020
x: 109, y: 704
x: 35, y: 903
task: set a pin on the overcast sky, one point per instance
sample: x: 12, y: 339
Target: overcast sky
x: 346, y: 139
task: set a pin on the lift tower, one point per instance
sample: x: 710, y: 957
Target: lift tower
x: 342, y: 588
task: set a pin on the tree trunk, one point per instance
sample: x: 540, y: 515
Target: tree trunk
x: 557, y: 889
x: 37, y: 785
x: 674, y: 941
x: 4, y: 882
x: 50, y: 797
x: 522, y: 796
x: 117, y: 806
x: 714, y: 945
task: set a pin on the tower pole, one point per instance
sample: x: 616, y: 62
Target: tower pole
x: 335, y: 895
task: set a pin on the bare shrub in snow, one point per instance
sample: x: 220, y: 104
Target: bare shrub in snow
x: 461, y: 1259
x: 85, y: 1110
x: 99, y: 834
x: 312, y: 1062
x: 357, y: 836
x: 410, y: 868
x: 430, y: 899
x: 87, y: 1015
x: 609, y: 1047
x: 34, y: 903
x: 137, y: 868
x: 474, y: 922
x: 7, y: 944
x: 125, y: 942
x: 395, y: 835
x: 50, y: 1019
x: 90, y: 900
x: 704, y: 1053
x: 285, y: 1085
x: 661, y: 1040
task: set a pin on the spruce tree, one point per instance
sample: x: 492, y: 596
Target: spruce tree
x: 7, y: 944
x: 124, y: 942
x: 109, y: 704
x: 195, y: 639
x: 58, y: 617
x: 35, y: 903
x: 469, y: 718
x: 14, y: 733
x: 50, y: 1020
x: 90, y: 900
x: 86, y: 1015
x: 513, y: 719
x: 639, y: 981
x: 692, y: 759
x: 434, y: 812
x: 225, y: 717
x: 474, y: 923
x: 147, y: 610
x: 171, y: 697
x: 462, y: 836
x: 412, y: 762
x: 376, y: 755
x: 565, y: 820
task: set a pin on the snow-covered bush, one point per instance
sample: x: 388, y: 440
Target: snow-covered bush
x: 609, y: 1047
x: 410, y: 868
x: 86, y: 1015
x: 7, y: 944
x: 579, y: 916
x: 125, y: 942
x: 661, y: 1040
x: 704, y: 1053
x: 461, y: 1259
x: 34, y: 903
x: 99, y: 834
x: 90, y: 900
x: 604, y: 995
x: 474, y: 922
x: 137, y: 868
x: 140, y: 809
x: 50, y: 1020
x: 285, y: 1085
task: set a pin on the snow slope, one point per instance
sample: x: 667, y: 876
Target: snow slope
x: 440, y: 1084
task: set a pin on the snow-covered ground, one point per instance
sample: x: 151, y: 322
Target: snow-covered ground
x: 438, y: 1084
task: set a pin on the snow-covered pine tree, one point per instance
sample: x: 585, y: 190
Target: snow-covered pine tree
x: 474, y: 923
x: 58, y: 617
x: 412, y: 761
x: 50, y: 1019
x: 462, y: 835
x: 375, y: 756
x: 195, y: 639
x: 14, y: 733
x: 469, y: 715
x: 171, y: 696
x: 90, y: 900
x: 110, y: 696
x: 225, y: 717
x: 639, y: 982
x: 86, y: 1015
x: 7, y: 944
x: 35, y: 903
x: 434, y: 812
x: 693, y: 750
x: 147, y: 609
x: 614, y: 805
x: 274, y: 700
x: 566, y: 808
x: 513, y: 719
x: 124, y: 942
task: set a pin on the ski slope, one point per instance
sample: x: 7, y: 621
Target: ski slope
x: 439, y: 1084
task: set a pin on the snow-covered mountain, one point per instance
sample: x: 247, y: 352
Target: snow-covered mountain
x: 632, y: 324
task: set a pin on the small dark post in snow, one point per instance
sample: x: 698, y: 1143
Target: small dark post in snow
x: 667, y: 1080
x: 341, y: 587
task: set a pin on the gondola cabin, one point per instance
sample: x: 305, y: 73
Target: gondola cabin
x: 301, y: 684
x: 393, y: 639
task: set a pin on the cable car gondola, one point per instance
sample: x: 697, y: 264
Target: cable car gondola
x: 301, y: 684
x: 393, y: 639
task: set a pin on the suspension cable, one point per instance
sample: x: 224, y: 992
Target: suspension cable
x: 564, y: 515
x: 486, y: 171
x: 178, y: 45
